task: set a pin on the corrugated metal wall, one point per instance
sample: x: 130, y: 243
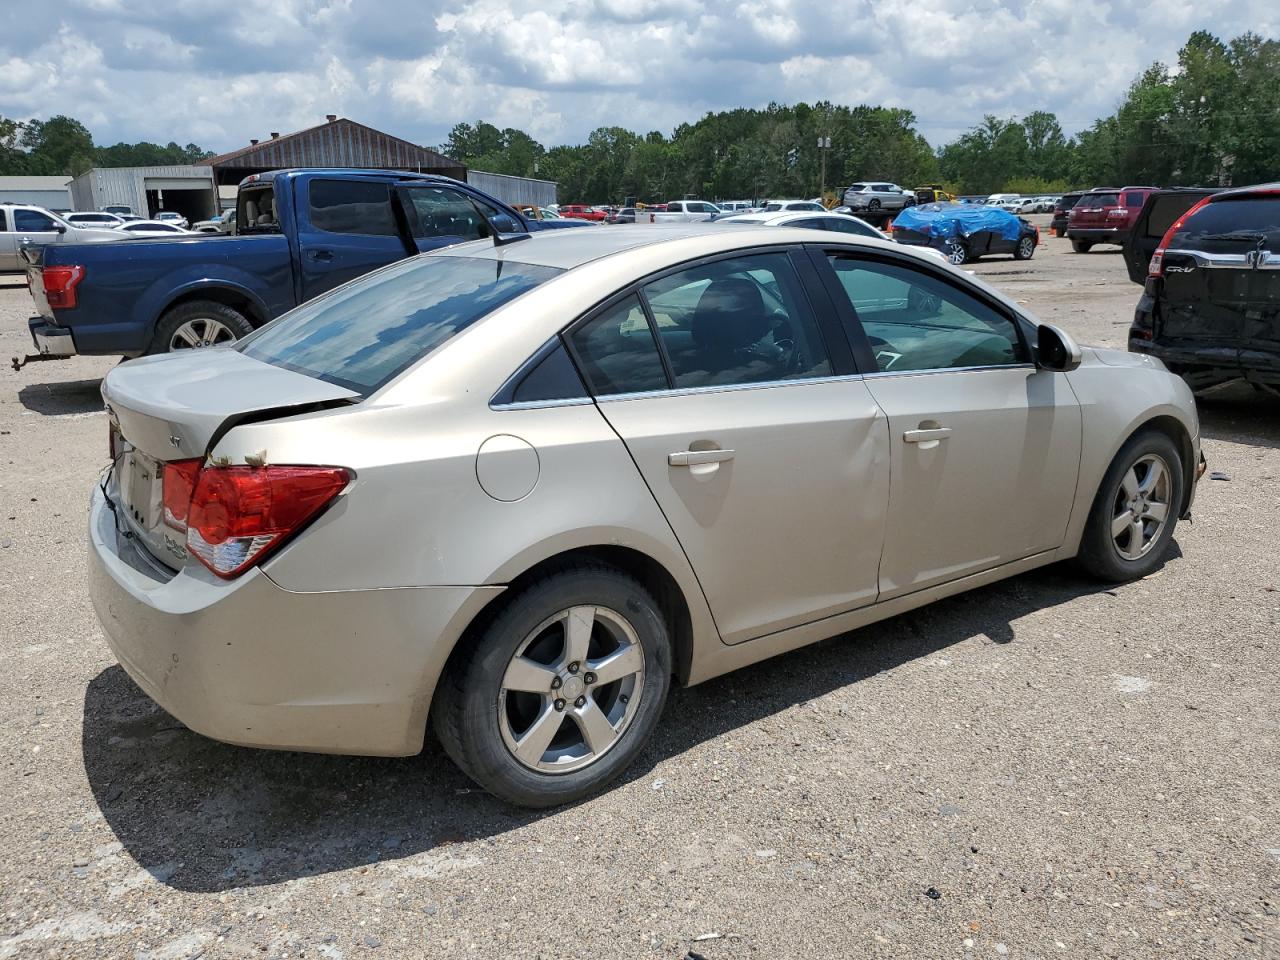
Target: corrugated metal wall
x: 49, y: 199
x: 514, y: 189
x: 105, y: 186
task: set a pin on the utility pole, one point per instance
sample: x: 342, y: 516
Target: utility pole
x: 824, y: 144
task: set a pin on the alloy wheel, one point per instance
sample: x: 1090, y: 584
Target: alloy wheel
x: 571, y: 689
x: 1141, y: 507
x: 955, y: 253
x: 201, y: 332
x: 1026, y: 247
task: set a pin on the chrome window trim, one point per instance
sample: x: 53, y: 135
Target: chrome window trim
x: 727, y: 387
x: 541, y: 404
x: 932, y: 370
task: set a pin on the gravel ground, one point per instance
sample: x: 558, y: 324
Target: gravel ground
x: 1041, y: 768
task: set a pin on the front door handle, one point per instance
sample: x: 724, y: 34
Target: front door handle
x: 924, y: 436
x: 690, y: 458
x: 321, y: 255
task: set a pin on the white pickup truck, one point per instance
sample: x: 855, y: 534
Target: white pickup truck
x: 681, y: 211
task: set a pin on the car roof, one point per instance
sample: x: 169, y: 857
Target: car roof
x: 1258, y: 189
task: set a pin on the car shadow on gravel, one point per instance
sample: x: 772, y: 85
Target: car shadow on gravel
x: 60, y: 399
x: 1240, y: 414
x: 205, y: 816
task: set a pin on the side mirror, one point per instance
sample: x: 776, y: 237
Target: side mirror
x: 1055, y: 350
x: 59, y: 229
x: 502, y: 223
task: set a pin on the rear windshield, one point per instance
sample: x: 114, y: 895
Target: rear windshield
x: 1092, y: 200
x: 1232, y: 226
x: 363, y: 334
x: 1067, y: 202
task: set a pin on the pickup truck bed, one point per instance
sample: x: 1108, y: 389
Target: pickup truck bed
x: 300, y: 233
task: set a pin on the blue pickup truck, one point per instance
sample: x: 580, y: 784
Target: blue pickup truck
x: 299, y: 233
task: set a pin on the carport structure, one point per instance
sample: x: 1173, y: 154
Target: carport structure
x: 338, y: 142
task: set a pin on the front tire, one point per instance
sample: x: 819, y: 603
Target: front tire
x: 559, y: 691
x: 1135, y: 511
x: 1025, y: 249
x: 199, y: 323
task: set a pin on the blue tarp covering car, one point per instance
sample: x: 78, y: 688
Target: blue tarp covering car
x: 958, y: 219
x: 964, y: 232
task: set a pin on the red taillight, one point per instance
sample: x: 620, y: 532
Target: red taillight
x: 60, y: 284
x: 1156, y: 267
x: 238, y: 515
x: 180, y: 478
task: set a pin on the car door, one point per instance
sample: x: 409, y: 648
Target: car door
x: 8, y: 245
x: 32, y: 228
x: 771, y: 467
x: 985, y: 446
x: 349, y: 229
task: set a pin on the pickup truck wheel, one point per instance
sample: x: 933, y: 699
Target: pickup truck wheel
x: 199, y: 323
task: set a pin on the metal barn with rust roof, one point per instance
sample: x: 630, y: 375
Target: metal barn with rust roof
x: 338, y: 142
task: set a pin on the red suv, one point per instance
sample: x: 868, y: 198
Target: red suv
x: 1105, y: 215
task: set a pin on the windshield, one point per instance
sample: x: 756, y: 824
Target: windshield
x: 362, y: 335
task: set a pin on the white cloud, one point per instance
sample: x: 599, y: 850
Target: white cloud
x: 558, y: 68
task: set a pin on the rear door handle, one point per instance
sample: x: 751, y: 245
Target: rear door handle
x: 689, y: 458
x: 924, y: 436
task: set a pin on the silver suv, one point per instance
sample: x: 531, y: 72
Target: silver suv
x: 876, y: 196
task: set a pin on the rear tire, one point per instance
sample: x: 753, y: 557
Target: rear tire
x: 197, y: 324
x: 957, y: 253
x: 1126, y: 537
x: 492, y: 698
x: 1081, y: 246
x: 873, y: 204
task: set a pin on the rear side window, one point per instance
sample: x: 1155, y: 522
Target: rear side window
x: 737, y: 321
x: 617, y: 352
x: 365, y: 333
x: 352, y: 206
x: 1232, y: 225
x: 3, y: 223
x: 1135, y: 199
x: 850, y: 225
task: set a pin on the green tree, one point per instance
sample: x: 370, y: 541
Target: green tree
x: 59, y: 145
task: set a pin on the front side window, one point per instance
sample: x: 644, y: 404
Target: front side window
x: 617, y: 352
x: 446, y: 213
x: 32, y: 220
x: 352, y: 206
x: 365, y: 333
x: 915, y: 321
x: 742, y: 320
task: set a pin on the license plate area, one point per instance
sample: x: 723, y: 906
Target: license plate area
x: 139, y: 478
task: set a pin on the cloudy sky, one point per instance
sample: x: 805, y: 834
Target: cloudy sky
x: 173, y: 70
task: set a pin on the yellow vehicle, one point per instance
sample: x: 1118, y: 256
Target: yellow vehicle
x: 934, y: 194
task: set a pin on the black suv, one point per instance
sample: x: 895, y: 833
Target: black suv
x: 1210, y: 306
x: 1061, y: 207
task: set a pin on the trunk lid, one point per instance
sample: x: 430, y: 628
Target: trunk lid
x: 1220, y: 290
x: 174, y: 407
x: 1090, y: 213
